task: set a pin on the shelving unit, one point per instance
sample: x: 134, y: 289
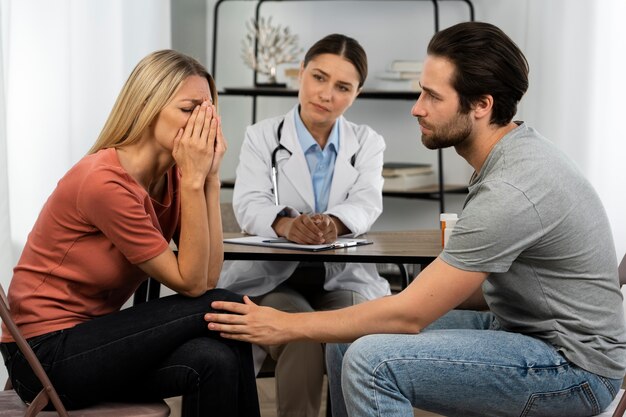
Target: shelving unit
x: 436, y: 192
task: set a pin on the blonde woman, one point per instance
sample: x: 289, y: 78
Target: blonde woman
x: 152, y: 176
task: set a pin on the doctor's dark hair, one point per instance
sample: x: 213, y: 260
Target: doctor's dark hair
x: 487, y: 62
x: 149, y: 88
x: 345, y: 47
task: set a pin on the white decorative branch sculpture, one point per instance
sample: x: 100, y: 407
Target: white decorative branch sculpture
x: 275, y: 45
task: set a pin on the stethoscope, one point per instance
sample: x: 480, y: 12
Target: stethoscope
x: 280, y: 147
x: 279, y: 132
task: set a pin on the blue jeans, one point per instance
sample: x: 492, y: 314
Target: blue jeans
x: 462, y: 365
x: 158, y: 349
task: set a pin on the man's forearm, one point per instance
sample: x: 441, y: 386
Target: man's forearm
x: 348, y: 324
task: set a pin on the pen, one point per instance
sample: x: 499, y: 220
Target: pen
x: 279, y: 240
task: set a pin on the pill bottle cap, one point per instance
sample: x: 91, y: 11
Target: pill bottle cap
x: 446, y: 217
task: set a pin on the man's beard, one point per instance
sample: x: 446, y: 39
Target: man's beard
x: 452, y: 133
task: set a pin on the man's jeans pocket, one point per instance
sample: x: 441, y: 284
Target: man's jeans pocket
x: 578, y: 400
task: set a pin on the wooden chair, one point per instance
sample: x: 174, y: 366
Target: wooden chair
x: 618, y: 406
x: 12, y: 406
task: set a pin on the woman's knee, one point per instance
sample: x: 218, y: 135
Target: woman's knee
x: 209, y: 359
x: 220, y: 294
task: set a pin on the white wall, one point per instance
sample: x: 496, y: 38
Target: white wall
x: 66, y: 63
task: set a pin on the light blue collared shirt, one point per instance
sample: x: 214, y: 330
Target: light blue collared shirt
x: 321, y: 162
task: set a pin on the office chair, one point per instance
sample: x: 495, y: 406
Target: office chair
x: 11, y: 404
x: 618, y: 406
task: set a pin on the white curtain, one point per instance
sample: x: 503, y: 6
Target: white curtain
x: 64, y: 64
x: 607, y: 151
x: 67, y: 61
x: 577, y: 53
x: 6, y: 256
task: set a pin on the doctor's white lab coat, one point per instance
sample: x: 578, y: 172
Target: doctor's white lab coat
x: 355, y: 198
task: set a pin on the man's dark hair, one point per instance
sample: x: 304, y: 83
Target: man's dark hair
x: 487, y: 62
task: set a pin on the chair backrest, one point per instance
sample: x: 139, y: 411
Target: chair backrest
x: 47, y: 393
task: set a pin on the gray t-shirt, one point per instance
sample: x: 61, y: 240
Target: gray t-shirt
x: 537, y: 226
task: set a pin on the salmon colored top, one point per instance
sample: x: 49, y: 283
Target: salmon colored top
x: 80, y: 259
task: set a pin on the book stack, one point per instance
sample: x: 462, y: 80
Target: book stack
x: 401, y: 75
x: 402, y: 176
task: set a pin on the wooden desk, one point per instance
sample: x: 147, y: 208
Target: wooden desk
x: 403, y: 247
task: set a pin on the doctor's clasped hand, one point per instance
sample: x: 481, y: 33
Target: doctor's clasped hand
x: 315, y: 229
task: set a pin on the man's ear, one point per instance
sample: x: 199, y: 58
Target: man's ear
x: 483, y: 106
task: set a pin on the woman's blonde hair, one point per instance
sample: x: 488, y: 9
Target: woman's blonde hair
x: 151, y: 85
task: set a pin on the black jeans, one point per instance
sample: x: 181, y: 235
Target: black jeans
x: 158, y: 349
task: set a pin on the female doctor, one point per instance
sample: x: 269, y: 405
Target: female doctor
x: 309, y: 176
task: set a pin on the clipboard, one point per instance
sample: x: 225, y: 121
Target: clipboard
x: 283, y: 243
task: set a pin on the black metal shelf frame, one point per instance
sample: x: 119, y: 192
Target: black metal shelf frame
x: 255, y: 92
